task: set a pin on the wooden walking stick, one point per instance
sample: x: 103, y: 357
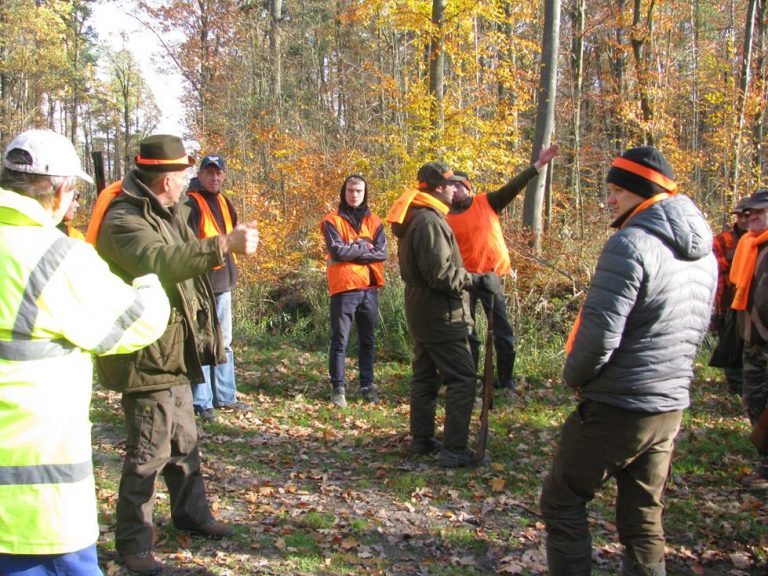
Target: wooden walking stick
x: 487, y: 389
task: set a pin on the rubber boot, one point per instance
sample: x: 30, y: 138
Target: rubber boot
x: 569, y: 558
x: 632, y: 568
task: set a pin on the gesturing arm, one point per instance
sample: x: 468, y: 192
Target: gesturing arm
x: 504, y: 195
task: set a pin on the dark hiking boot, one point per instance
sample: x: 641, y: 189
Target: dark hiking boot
x: 215, y: 530
x: 206, y: 414
x: 369, y: 395
x: 459, y: 458
x: 757, y: 480
x: 141, y: 564
x: 424, y: 446
x: 507, y: 385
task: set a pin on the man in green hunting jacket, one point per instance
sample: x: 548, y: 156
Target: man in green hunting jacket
x: 437, y: 312
x: 140, y: 227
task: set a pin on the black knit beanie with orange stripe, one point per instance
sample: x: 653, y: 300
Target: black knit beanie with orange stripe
x: 649, y: 157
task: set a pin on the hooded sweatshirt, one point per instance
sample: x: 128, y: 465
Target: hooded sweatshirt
x: 647, y: 311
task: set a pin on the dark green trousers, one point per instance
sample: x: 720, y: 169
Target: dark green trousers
x: 161, y: 439
x: 600, y: 442
x: 449, y: 363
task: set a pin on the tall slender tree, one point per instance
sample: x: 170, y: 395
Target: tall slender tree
x: 545, y: 118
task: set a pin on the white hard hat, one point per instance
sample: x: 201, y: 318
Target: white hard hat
x: 50, y: 154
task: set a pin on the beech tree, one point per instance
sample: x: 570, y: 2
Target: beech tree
x: 545, y: 118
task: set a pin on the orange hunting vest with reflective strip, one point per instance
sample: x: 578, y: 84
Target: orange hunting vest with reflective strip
x: 345, y: 276
x: 208, y: 225
x: 481, y: 241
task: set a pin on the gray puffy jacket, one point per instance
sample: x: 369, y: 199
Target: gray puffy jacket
x: 647, y: 311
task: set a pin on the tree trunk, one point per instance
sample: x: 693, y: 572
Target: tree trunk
x: 576, y: 15
x: 275, y: 48
x: 618, y: 64
x: 437, y: 68
x: 545, y: 118
x: 758, y: 134
x: 640, y: 34
x: 744, y: 77
x: 695, y: 24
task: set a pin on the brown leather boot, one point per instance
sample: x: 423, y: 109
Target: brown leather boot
x: 214, y: 529
x: 141, y: 564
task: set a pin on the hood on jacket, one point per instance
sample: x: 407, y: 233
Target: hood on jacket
x: 679, y: 223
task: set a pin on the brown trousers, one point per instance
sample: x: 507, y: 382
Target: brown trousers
x: 434, y: 364
x: 161, y: 438
x: 600, y: 442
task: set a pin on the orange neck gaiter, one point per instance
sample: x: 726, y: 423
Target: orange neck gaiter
x: 416, y: 198
x: 743, y: 266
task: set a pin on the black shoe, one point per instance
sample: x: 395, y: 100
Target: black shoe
x: 213, y: 529
x: 369, y: 395
x: 206, y: 414
x: 459, y: 458
x: 424, y: 446
x: 507, y: 385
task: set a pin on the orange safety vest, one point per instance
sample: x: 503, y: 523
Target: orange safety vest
x: 345, y: 276
x: 481, y: 242
x: 208, y: 225
x: 100, y: 210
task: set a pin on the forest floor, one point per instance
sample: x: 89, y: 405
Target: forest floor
x: 313, y: 490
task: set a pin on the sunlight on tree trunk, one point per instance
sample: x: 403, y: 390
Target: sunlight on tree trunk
x: 744, y: 79
x: 545, y: 119
x: 437, y: 69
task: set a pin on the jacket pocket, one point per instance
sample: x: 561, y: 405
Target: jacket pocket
x: 166, y: 355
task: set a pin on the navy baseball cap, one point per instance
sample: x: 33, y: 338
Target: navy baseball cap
x: 212, y: 160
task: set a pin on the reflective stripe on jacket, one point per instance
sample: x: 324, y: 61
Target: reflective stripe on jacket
x: 345, y: 276
x: 58, y: 304
x: 481, y: 241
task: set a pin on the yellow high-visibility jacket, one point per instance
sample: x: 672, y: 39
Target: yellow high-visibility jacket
x: 59, y: 303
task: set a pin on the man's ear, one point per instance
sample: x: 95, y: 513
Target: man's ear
x: 58, y: 197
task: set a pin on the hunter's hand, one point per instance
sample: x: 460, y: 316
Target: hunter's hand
x: 546, y: 155
x: 244, y: 239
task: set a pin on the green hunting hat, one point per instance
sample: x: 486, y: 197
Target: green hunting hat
x: 163, y: 153
x: 741, y: 206
x: 758, y: 200
x: 437, y: 174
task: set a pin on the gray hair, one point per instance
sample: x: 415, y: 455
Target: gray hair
x: 150, y: 177
x: 40, y: 187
